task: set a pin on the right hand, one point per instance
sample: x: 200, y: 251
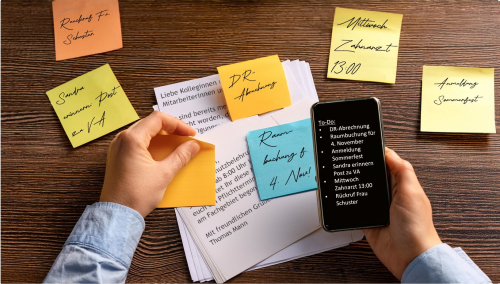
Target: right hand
x: 411, y: 230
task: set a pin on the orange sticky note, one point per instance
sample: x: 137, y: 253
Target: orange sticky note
x: 193, y: 185
x: 85, y: 27
x: 254, y: 87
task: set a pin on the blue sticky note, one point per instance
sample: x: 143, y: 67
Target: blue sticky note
x: 283, y: 159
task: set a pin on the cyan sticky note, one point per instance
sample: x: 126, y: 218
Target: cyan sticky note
x: 283, y: 159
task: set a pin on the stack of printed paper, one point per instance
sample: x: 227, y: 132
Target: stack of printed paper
x: 242, y: 232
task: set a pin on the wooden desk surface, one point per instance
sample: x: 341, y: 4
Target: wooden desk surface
x: 46, y: 184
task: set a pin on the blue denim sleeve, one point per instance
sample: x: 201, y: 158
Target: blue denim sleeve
x: 100, y: 247
x: 442, y: 264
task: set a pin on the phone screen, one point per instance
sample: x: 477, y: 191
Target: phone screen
x: 353, y: 190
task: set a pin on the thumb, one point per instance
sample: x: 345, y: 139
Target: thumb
x: 179, y: 158
x: 402, y: 173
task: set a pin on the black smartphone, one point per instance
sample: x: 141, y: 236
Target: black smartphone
x: 353, y: 188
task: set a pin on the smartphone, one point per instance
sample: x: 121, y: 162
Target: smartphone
x: 353, y: 188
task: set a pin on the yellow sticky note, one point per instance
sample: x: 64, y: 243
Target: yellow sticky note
x: 254, y: 87
x: 364, y: 45
x: 193, y: 185
x: 84, y: 27
x: 458, y: 99
x: 91, y: 105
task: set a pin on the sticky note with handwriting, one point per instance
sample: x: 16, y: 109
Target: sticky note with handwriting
x: 85, y: 27
x: 283, y: 159
x: 254, y: 87
x: 364, y: 45
x: 458, y: 99
x: 91, y: 105
x: 193, y: 185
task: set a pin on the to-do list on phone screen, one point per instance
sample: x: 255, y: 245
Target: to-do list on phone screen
x: 351, y: 167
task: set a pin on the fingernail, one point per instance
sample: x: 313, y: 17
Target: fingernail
x: 194, y: 147
x: 193, y: 131
x: 392, y: 152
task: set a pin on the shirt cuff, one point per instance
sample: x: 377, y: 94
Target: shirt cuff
x: 109, y: 228
x: 442, y: 264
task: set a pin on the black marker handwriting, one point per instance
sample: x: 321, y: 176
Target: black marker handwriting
x: 245, y: 75
x: 66, y: 21
x: 72, y: 113
x: 302, y: 152
x: 247, y: 92
x: 100, y: 121
x: 71, y: 37
x: 76, y: 133
x: 365, y: 23
x: 105, y: 95
x: 269, y: 134
x: 462, y: 83
x: 63, y: 95
x: 364, y: 47
x: 89, y: 124
x: 274, y: 181
x: 346, y: 42
x: 441, y: 99
x: 289, y: 157
x: 371, y: 47
x: 81, y: 18
x: 100, y: 14
x: 299, y: 175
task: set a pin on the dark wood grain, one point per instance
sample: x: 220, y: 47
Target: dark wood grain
x: 46, y: 184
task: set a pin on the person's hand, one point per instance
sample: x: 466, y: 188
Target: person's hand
x: 411, y: 231
x: 132, y: 177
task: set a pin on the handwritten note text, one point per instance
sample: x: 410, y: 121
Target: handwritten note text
x: 91, y: 105
x: 364, y: 45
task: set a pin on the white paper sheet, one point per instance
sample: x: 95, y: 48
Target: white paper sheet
x: 316, y: 242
